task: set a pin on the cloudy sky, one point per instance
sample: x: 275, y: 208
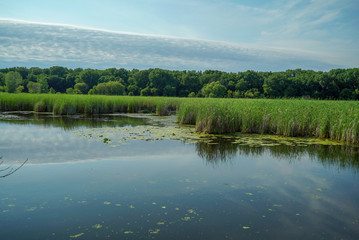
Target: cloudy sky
x: 230, y: 35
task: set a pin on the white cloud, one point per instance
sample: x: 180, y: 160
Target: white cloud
x: 44, y: 45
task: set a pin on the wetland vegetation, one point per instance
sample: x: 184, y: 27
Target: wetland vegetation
x: 335, y: 120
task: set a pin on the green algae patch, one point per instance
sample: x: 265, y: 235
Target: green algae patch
x: 217, y: 148
x: 161, y: 128
x: 156, y: 231
x: 77, y: 235
x: 186, y: 219
x: 97, y: 226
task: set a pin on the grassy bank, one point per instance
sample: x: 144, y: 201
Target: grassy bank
x: 63, y: 104
x: 336, y: 120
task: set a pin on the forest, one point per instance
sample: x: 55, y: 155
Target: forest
x: 342, y: 84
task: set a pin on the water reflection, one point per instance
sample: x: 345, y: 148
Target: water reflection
x: 160, y: 189
x: 73, y: 121
x: 337, y: 156
x: 45, y: 141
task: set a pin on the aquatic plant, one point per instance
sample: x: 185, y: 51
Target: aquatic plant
x: 336, y: 120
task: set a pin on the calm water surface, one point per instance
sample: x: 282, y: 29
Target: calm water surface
x: 75, y: 187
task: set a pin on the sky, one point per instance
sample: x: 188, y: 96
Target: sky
x: 317, y: 34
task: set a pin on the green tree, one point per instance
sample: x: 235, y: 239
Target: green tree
x: 110, y: 88
x: 34, y: 87
x: 146, y: 91
x: 214, y: 90
x: 347, y: 94
x: 90, y: 77
x: 12, y: 81
x: 42, y: 80
x: 52, y: 91
x: 2, y: 79
x: 169, y: 91
x: 159, y: 79
x: 73, y: 91
x: 20, y: 89
x: 81, y: 87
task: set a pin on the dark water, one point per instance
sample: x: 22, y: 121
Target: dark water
x: 78, y: 188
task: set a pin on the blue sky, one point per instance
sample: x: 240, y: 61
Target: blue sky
x: 324, y: 29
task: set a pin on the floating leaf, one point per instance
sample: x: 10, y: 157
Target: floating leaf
x: 31, y: 209
x: 77, y: 235
x: 245, y: 227
x: 128, y: 232
x: 107, y: 203
x: 97, y: 226
x: 155, y: 231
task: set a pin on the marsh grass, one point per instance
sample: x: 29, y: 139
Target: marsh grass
x: 336, y: 120
x: 62, y: 104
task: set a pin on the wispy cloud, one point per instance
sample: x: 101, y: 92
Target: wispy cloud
x: 31, y: 44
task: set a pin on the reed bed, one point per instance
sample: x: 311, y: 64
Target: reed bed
x: 62, y: 104
x: 336, y: 120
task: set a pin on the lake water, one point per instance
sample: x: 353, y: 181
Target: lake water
x: 137, y: 177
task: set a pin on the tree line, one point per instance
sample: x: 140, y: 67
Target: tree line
x: 335, y: 84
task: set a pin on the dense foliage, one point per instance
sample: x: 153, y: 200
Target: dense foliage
x: 335, y: 84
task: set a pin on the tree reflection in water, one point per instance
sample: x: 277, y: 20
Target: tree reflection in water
x: 338, y: 156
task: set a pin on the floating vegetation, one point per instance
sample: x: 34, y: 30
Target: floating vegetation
x: 31, y: 209
x: 107, y: 203
x: 219, y: 148
x: 245, y: 227
x: 77, y: 235
x: 156, y: 231
x: 186, y: 219
x: 128, y: 232
x: 97, y: 226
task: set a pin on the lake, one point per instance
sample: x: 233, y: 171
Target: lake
x: 145, y: 177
